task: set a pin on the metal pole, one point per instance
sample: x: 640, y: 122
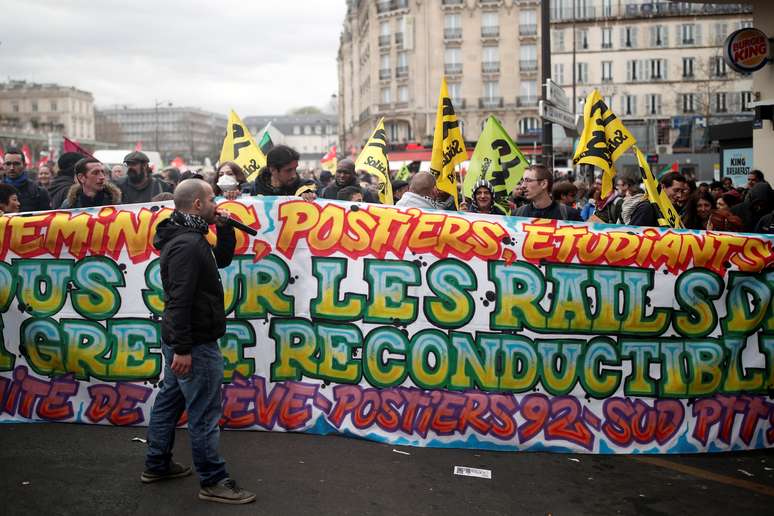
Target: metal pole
x: 545, y: 74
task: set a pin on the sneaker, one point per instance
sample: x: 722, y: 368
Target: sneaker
x: 175, y: 470
x: 226, y: 491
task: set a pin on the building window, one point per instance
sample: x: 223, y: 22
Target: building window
x: 657, y: 69
x: 687, y: 33
x: 688, y: 63
x: 528, y: 57
x: 559, y: 73
x: 53, y: 105
x: 607, y: 8
x: 528, y: 125
x: 296, y: 129
x: 403, y: 94
x: 746, y: 99
x: 386, y: 96
x: 718, y: 65
x: 633, y: 70
x: 746, y: 24
x: 318, y: 129
x: 491, y: 54
x: 629, y: 104
x: 721, y: 31
x: 490, y: 24
x: 452, y: 60
x: 34, y: 106
x: 527, y: 22
x: 720, y: 102
x: 491, y: 89
x: 658, y: 36
x: 582, y: 76
x: 653, y: 102
x: 629, y: 37
x: 557, y: 40
x: 607, y: 37
x: 582, y: 39
x: 452, y: 26
x: 688, y: 102
x: 607, y: 71
x: 455, y: 92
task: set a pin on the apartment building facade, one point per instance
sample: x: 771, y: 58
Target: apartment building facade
x: 659, y: 65
x: 188, y: 132
x: 311, y: 135
x: 393, y: 54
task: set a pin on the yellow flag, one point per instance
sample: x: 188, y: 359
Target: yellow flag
x: 667, y: 214
x: 404, y: 174
x: 373, y: 160
x: 239, y: 147
x: 603, y: 140
x: 448, y: 145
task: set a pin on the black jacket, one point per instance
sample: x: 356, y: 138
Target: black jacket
x: 332, y: 192
x: 58, y: 190
x: 555, y: 210
x: 262, y: 185
x: 645, y: 214
x: 33, y: 197
x: 757, y: 204
x: 193, y: 294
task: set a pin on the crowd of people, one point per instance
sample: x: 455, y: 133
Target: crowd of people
x: 78, y: 181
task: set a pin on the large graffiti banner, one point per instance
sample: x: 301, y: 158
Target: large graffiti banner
x: 415, y: 328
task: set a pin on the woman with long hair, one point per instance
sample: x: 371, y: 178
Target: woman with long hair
x: 698, y: 210
x: 229, y: 168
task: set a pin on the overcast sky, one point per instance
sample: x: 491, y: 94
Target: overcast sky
x: 259, y: 57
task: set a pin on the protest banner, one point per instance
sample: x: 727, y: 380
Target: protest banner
x: 497, y: 159
x: 239, y: 146
x: 416, y: 328
x: 373, y: 160
x: 448, y: 145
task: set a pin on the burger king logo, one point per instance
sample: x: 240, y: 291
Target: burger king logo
x: 746, y: 50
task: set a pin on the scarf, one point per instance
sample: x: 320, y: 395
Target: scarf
x: 18, y: 182
x: 627, y: 208
x: 189, y: 220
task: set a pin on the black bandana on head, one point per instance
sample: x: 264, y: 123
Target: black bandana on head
x: 189, y: 220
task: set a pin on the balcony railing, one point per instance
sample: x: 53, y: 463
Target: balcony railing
x: 385, y: 106
x: 452, y: 68
x: 490, y: 102
x: 527, y: 29
x: 526, y: 101
x: 635, y: 9
x: 490, y: 32
x: 490, y: 66
x: 528, y: 65
x: 451, y: 2
x: 458, y: 103
x: 383, y: 6
x: 401, y: 105
x: 384, y: 40
x: 454, y: 33
x: 385, y: 73
x: 401, y: 71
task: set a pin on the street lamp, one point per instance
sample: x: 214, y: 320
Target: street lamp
x: 156, y: 104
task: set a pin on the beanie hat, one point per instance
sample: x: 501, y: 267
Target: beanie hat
x: 66, y: 163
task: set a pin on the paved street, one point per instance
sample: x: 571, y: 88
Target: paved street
x: 80, y: 469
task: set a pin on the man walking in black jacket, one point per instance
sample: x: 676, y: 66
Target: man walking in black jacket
x: 193, y: 320
x: 31, y: 196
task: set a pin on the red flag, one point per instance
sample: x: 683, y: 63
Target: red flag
x: 2, y: 155
x: 27, y: 155
x: 138, y: 146
x: 329, y: 156
x: 71, y: 146
x: 178, y: 162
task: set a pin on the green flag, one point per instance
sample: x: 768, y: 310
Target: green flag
x: 403, y: 174
x: 266, y: 144
x: 496, y: 159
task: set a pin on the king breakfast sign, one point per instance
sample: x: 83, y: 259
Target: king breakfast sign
x: 746, y: 50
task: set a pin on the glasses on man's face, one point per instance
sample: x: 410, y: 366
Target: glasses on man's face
x: 13, y: 163
x: 530, y: 180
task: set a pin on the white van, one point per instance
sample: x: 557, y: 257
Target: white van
x: 113, y: 157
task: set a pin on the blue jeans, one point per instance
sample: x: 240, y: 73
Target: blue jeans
x: 199, y: 392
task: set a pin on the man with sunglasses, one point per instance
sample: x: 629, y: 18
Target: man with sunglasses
x: 537, y: 184
x: 31, y: 196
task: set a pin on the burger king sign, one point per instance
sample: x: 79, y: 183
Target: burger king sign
x: 746, y: 50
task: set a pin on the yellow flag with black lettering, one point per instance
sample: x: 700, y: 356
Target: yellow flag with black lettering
x: 373, y: 160
x: 667, y: 214
x: 496, y: 159
x: 448, y: 145
x: 603, y: 140
x: 239, y: 146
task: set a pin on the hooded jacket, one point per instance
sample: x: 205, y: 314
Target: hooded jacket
x: 108, y: 196
x: 262, y: 185
x: 757, y: 203
x: 412, y: 200
x: 193, y: 293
